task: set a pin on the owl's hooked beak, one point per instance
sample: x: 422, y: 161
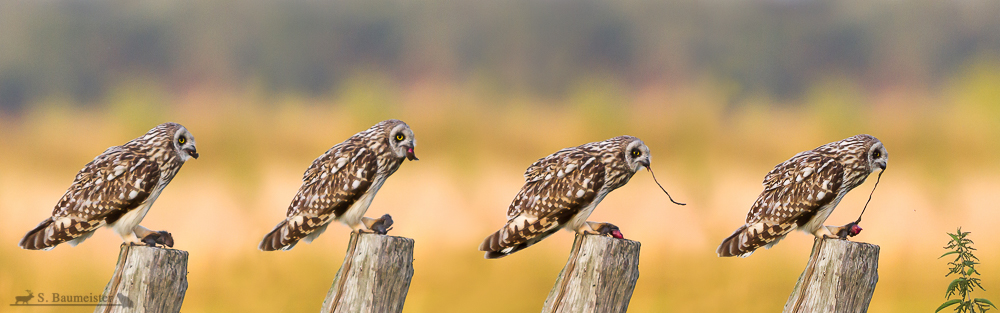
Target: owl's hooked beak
x: 410, y: 155
x: 193, y: 152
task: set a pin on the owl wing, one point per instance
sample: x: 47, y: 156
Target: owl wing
x: 114, y: 183
x: 334, y: 182
x: 565, y: 159
x: 559, y: 189
x: 794, y: 191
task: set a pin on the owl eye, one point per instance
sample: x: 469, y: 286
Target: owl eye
x: 181, y: 140
x: 400, y: 137
x: 877, y: 154
x: 636, y: 153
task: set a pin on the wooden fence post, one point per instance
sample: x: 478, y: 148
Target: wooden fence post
x: 146, y: 279
x: 599, y: 276
x: 375, y: 275
x: 840, y: 277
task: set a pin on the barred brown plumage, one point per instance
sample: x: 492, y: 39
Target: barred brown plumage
x: 801, y: 192
x: 341, y: 183
x: 117, y: 188
x: 562, y: 190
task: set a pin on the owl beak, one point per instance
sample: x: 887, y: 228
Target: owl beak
x: 410, y: 155
x: 192, y: 152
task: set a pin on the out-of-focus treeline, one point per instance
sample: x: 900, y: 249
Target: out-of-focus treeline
x: 84, y: 49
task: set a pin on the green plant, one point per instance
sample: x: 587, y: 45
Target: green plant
x: 965, y: 266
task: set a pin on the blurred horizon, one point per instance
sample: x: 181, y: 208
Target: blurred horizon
x: 720, y: 91
x: 86, y: 51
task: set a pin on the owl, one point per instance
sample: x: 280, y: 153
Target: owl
x: 801, y: 192
x: 341, y: 183
x: 562, y: 189
x: 117, y: 189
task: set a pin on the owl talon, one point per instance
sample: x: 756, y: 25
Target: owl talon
x: 161, y: 237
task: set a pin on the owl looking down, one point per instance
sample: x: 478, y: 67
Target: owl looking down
x: 341, y: 183
x: 562, y: 189
x: 801, y: 192
x: 117, y: 188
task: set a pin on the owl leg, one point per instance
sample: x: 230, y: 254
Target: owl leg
x: 380, y: 225
x: 131, y: 240
x: 586, y: 229
x: 603, y: 229
x: 152, y: 238
x: 823, y: 232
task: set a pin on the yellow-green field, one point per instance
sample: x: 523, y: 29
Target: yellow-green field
x: 711, y: 150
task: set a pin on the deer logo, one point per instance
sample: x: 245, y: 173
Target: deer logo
x: 124, y: 301
x: 24, y: 298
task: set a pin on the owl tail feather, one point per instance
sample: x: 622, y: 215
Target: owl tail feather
x: 737, y: 244
x: 506, y: 241
x: 38, y: 238
x: 273, y: 240
x: 493, y: 245
x: 498, y: 244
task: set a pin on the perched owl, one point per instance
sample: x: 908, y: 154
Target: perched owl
x: 562, y: 189
x: 341, y: 183
x: 802, y: 192
x: 117, y: 188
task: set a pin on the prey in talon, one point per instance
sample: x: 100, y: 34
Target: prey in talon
x: 380, y: 225
x: 800, y: 193
x: 849, y: 230
x: 341, y: 184
x: 852, y: 229
x: 562, y: 190
x: 159, y: 238
x: 606, y: 229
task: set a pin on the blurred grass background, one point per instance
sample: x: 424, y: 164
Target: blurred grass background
x: 721, y: 91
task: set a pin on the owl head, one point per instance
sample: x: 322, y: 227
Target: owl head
x: 181, y: 140
x: 875, y: 155
x: 636, y: 154
x: 864, y: 152
x: 401, y: 139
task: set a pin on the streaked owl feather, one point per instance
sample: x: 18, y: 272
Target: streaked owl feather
x: 116, y: 182
x: 558, y: 188
x: 794, y: 192
x: 334, y: 181
x: 801, y: 192
x: 341, y: 178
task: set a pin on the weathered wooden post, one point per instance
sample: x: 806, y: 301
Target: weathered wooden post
x: 375, y: 275
x: 146, y: 279
x: 599, y: 276
x: 840, y: 277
